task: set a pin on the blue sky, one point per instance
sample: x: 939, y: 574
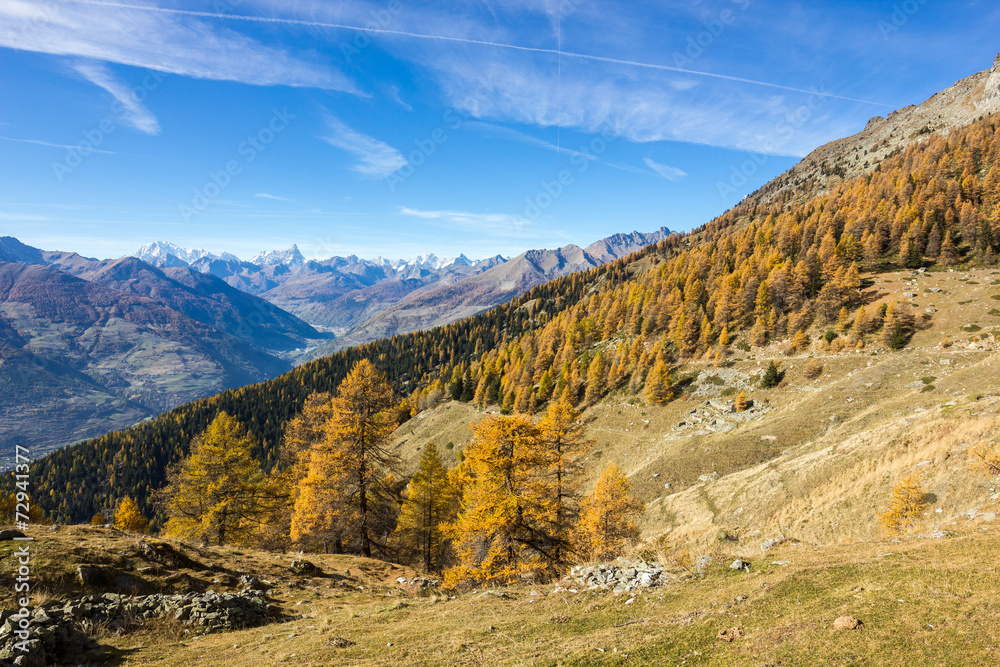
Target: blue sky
x: 395, y: 128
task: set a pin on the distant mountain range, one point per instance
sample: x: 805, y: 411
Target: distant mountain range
x: 364, y: 299
x: 88, y: 346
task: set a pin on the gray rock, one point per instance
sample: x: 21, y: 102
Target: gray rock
x: 767, y: 545
x: 302, y: 567
x: 739, y: 565
x: 703, y: 562
x: 95, y: 575
x: 248, y: 581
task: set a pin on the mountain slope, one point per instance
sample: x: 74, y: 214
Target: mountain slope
x: 201, y: 297
x: 968, y: 100
x: 89, y: 346
x: 759, y: 281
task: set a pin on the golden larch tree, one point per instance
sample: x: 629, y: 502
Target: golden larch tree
x: 500, y: 532
x: 563, y: 441
x: 906, y: 505
x: 348, y: 484
x: 301, y: 433
x: 659, y: 383
x: 609, y: 516
x: 129, y: 517
x: 597, y: 380
x: 986, y: 458
x: 430, y: 503
x: 218, y: 493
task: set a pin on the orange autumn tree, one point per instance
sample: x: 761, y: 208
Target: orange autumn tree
x: 345, y: 497
x: 128, y: 517
x: 659, y: 383
x: 501, y: 533
x: 431, y: 502
x: 906, y: 505
x: 218, y: 493
x: 562, y: 441
x: 608, y: 516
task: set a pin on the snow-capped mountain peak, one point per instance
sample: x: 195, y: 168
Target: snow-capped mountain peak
x: 290, y: 257
x: 164, y: 253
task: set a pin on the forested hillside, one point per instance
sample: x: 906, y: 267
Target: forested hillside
x: 74, y: 483
x: 756, y: 273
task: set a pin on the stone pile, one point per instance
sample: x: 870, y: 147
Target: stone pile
x: 621, y: 577
x: 716, y: 416
x: 56, y: 635
x: 419, y: 582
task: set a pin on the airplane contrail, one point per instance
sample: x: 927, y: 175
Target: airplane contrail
x: 465, y: 40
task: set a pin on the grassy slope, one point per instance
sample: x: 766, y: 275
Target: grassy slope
x: 816, y: 480
x: 922, y: 601
x: 822, y: 461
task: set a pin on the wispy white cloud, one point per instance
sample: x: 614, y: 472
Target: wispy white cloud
x: 637, y: 109
x: 132, y: 110
x: 665, y: 170
x: 376, y: 159
x: 264, y: 195
x: 393, y: 93
x: 145, y: 35
x: 479, y: 221
x: 523, y: 137
x: 38, y: 142
x: 4, y: 215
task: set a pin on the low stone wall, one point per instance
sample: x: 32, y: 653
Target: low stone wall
x: 56, y: 629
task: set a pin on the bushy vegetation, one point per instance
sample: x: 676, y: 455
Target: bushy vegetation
x: 906, y: 505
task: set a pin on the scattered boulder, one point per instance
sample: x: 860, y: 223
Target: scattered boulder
x: 769, y: 544
x: 95, y: 575
x: 847, y: 623
x: 56, y: 634
x: 250, y: 582
x: 739, y: 565
x: 303, y: 567
x: 419, y: 582
x: 339, y: 642
x: 703, y: 562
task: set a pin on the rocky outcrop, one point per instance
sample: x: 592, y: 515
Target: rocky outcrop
x: 56, y: 634
x: 962, y: 104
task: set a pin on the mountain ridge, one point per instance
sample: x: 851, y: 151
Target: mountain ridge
x: 89, y: 345
x: 968, y: 99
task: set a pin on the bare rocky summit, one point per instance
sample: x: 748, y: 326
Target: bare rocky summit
x: 968, y: 100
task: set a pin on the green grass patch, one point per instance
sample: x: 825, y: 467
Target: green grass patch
x: 929, y: 379
x: 972, y: 328
x: 715, y: 380
x: 729, y: 391
x: 926, y: 389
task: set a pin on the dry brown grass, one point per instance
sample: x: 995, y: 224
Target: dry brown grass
x: 922, y: 602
